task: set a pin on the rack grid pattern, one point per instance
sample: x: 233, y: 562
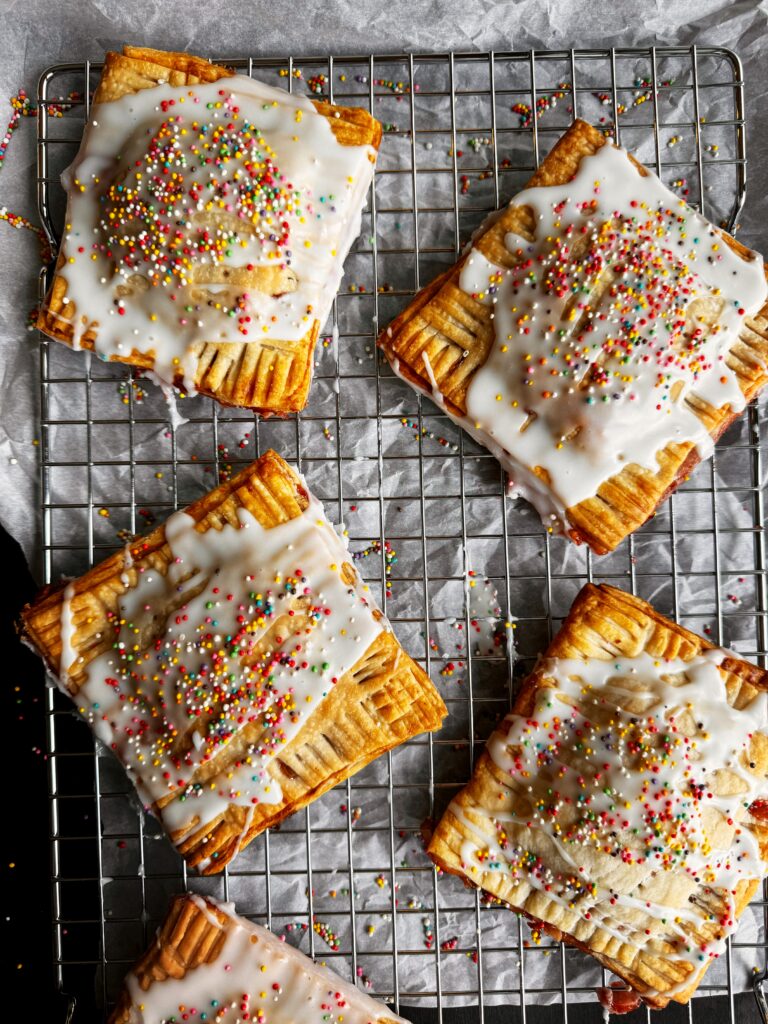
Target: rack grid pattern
x: 391, y: 467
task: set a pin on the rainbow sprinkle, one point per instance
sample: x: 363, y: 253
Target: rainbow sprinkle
x: 545, y: 102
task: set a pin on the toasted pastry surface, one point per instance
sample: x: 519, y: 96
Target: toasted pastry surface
x: 586, y: 714
x: 444, y: 337
x: 252, y: 705
x: 243, y: 962
x: 270, y: 375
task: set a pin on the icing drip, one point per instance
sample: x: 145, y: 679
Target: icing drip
x: 628, y: 788
x: 616, y: 319
x: 258, y: 975
x: 220, y: 212
x: 238, y: 644
x: 67, y: 631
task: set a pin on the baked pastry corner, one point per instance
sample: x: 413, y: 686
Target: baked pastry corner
x: 244, y: 963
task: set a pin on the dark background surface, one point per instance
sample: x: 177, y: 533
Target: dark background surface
x: 25, y: 870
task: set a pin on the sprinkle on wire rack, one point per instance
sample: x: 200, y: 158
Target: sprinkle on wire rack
x: 22, y: 107
x: 447, y: 511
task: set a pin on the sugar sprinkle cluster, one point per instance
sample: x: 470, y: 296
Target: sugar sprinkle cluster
x: 627, y: 283
x: 23, y: 107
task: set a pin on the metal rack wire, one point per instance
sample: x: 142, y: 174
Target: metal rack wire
x: 461, y: 139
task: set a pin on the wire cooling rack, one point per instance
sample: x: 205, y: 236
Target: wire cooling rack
x: 463, y: 133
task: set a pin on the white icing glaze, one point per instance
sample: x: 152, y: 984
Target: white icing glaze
x: 580, y: 385
x: 255, y: 973
x: 175, y: 187
x: 249, y: 627
x: 437, y: 396
x: 175, y: 419
x: 635, y: 759
x: 67, y: 631
x: 125, y: 579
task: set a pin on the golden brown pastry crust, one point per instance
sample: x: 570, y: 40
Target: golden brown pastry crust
x: 455, y: 332
x: 270, y: 376
x: 603, y: 622
x: 383, y: 701
x: 190, y: 936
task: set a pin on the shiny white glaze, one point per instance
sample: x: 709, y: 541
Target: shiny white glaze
x: 591, y: 764
x: 67, y: 632
x: 190, y: 674
x: 256, y: 973
x: 616, y: 389
x: 323, y: 188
